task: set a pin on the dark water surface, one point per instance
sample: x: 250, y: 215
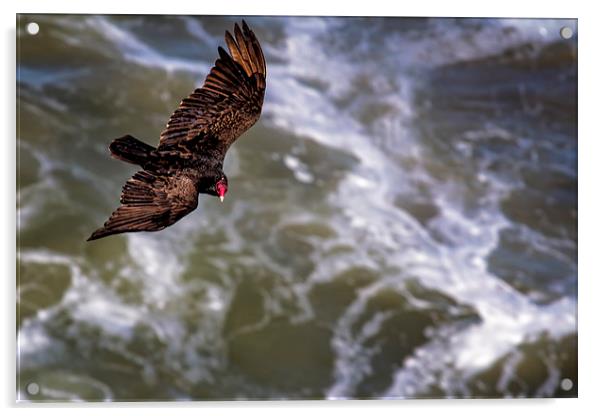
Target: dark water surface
x: 400, y: 223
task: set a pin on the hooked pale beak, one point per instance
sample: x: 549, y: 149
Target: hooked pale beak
x: 220, y: 189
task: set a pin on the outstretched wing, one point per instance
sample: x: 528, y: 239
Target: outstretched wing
x: 230, y: 100
x: 150, y: 203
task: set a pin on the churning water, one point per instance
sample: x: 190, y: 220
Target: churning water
x: 400, y: 223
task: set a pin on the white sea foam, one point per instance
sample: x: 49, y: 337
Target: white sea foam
x: 508, y: 317
x: 137, y: 51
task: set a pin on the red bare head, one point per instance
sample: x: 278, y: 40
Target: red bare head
x: 221, y: 187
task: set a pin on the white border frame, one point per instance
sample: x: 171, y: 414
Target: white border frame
x: 589, y: 202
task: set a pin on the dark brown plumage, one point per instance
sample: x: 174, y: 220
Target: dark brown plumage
x: 191, y: 151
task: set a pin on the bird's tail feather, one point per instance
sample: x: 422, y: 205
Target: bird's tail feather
x: 131, y: 150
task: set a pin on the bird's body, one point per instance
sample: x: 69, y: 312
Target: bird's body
x: 191, y: 151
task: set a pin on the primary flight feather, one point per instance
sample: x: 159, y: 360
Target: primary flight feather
x: 190, y: 155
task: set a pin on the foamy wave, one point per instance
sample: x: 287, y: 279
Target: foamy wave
x: 457, y: 269
x: 137, y: 51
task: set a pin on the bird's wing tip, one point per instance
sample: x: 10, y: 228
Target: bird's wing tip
x: 100, y: 233
x: 95, y: 235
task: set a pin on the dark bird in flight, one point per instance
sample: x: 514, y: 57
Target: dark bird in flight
x: 189, y: 158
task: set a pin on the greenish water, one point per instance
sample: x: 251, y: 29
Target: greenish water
x: 401, y: 222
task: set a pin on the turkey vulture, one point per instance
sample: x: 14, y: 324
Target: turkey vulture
x: 190, y: 155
